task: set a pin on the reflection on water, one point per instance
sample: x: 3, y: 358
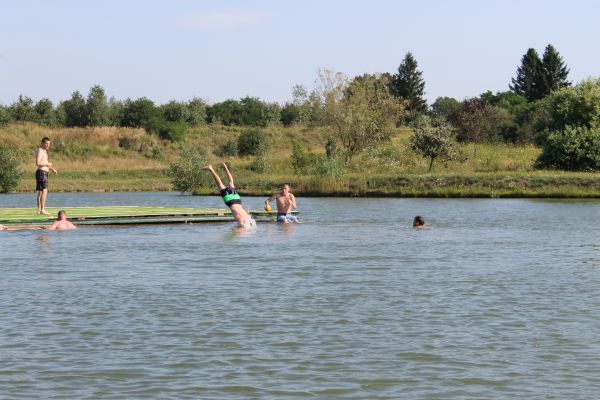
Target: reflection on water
x: 357, y: 306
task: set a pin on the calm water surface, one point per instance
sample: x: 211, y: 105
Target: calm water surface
x: 501, y: 299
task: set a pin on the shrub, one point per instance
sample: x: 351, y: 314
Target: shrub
x: 300, y: 159
x: 172, y: 131
x: 574, y: 148
x: 252, y: 142
x: 187, y: 173
x: 260, y: 164
x: 433, y: 141
x: 10, y: 173
x: 229, y: 149
x: 5, y: 116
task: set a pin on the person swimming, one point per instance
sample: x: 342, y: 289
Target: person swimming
x: 419, y: 223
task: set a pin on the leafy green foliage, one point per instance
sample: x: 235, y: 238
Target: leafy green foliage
x: 408, y: 84
x: 443, y: 107
x: 74, y: 110
x: 22, y: 109
x: 45, y: 112
x: 252, y: 142
x: 249, y: 111
x: 187, y: 173
x: 96, y: 107
x: 10, y: 173
x: 361, y: 113
x: 434, y: 141
x: 476, y: 120
x: 172, y: 131
x: 573, y: 148
x: 228, y: 149
x: 575, y: 106
x: 141, y: 113
x: 5, y: 116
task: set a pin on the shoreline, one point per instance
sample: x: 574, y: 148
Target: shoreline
x: 555, y: 186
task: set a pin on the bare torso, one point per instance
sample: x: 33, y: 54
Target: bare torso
x: 41, y: 158
x: 284, y: 203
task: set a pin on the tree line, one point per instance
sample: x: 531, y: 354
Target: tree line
x: 540, y: 107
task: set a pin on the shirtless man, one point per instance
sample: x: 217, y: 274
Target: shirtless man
x: 61, y: 223
x: 286, y: 202
x: 41, y: 175
x: 232, y: 198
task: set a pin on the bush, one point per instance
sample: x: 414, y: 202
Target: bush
x: 10, y: 173
x: 187, y: 173
x: 172, y: 131
x: 434, y: 141
x: 301, y: 160
x: 252, y: 142
x: 574, y: 148
x: 5, y: 116
x: 229, y: 149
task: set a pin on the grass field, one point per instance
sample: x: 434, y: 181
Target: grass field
x: 124, y: 159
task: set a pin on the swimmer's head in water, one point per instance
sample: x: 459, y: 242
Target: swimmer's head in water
x: 418, y: 221
x: 62, y: 215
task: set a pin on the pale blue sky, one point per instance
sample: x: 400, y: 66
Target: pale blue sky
x: 180, y: 49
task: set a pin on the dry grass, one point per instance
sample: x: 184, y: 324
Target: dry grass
x: 123, y: 159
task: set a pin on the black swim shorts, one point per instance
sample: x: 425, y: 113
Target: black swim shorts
x: 41, y: 180
x: 230, y: 196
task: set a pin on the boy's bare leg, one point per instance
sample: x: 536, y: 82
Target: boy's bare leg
x: 216, y: 177
x: 42, y: 202
x: 229, y: 176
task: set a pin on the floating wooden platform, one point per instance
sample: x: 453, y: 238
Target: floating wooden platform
x: 119, y: 215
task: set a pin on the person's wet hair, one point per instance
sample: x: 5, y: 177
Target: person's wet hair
x: 61, y: 214
x: 418, y: 221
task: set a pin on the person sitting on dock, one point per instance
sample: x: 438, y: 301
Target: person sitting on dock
x: 286, y: 202
x: 61, y: 223
x: 419, y: 223
x: 232, y: 198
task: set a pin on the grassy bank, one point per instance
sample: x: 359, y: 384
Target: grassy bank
x: 122, y: 159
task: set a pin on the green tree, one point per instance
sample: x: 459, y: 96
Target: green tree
x: 227, y: 112
x: 408, y: 84
x: 96, y: 107
x: 175, y: 111
x: 22, y: 109
x: 555, y: 71
x: 187, y: 172
x: 141, y: 113
x: 115, y: 111
x: 529, y: 81
x: 45, y: 112
x: 196, y: 112
x: 10, y: 173
x: 443, y: 107
x: 5, y: 116
x: 366, y: 117
x: 434, y: 141
x: 74, y: 110
x: 476, y: 121
x: 578, y: 105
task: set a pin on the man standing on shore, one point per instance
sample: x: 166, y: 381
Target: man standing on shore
x: 41, y: 175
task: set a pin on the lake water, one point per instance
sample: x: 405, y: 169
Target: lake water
x: 500, y: 299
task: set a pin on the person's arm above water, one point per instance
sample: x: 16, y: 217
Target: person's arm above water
x: 293, y: 201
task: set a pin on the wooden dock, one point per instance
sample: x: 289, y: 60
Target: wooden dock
x: 121, y: 215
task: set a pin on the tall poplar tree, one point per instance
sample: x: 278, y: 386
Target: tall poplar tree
x: 529, y: 81
x: 555, y: 70
x: 408, y: 84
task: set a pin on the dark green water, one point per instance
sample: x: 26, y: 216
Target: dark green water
x: 501, y: 299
